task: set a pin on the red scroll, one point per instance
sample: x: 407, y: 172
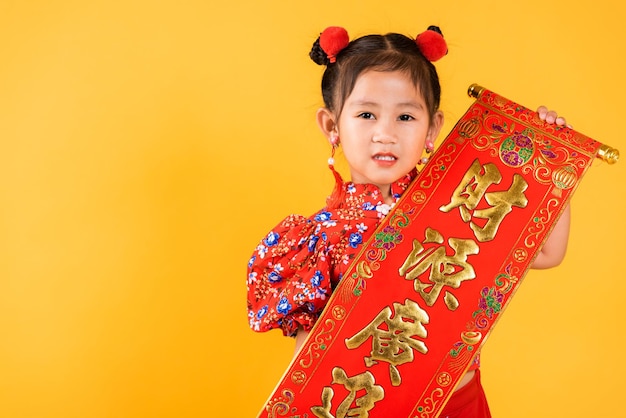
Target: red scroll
x: 419, y: 301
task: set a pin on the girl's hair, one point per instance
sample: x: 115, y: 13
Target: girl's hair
x: 390, y: 52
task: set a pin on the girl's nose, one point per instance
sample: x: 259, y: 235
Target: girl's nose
x: 384, y: 133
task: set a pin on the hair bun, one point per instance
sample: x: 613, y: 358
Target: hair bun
x: 431, y: 44
x: 318, y: 55
x: 330, y: 42
x: 436, y: 29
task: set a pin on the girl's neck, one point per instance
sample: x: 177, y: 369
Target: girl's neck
x: 387, y: 196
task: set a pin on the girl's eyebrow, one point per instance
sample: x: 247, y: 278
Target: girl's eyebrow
x: 363, y: 103
x: 415, y: 105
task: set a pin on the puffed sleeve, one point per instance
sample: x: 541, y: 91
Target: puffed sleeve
x: 289, y: 277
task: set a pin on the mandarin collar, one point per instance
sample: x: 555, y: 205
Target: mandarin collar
x: 368, y: 197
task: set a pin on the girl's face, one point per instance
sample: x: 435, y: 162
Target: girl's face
x: 383, y: 127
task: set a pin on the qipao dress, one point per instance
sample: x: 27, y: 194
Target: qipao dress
x: 294, y: 269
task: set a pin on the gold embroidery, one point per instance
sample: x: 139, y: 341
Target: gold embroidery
x: 393, y: 340
x: 362, y: 404
x: 473, y: 188
x: 445, y: 270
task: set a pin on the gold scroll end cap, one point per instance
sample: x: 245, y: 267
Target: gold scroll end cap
x: 475, y: 90
x: 608, y: 154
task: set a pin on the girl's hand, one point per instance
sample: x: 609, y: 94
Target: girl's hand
x: 551, y: 116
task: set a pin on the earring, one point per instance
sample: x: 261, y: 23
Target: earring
x: 429, y: 148
x: 334, y: 142
x: 337, y: 196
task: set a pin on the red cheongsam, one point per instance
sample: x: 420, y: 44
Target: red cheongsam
x: 295, y: 268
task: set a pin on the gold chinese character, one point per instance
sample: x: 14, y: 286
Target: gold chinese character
x: 351, y: 406
x: 444, y: 270
x: 394, y: 342
x: 474, y: 187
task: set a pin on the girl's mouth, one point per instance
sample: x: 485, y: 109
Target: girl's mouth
x: 385, y: 157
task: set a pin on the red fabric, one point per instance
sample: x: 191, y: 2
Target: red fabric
x: 475, y: 363
x: 295, y: 268
x: 468, y: 402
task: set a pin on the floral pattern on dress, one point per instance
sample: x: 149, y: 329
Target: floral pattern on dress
x: 296, y: 266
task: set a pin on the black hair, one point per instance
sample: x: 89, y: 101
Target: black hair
x: 390, y: 52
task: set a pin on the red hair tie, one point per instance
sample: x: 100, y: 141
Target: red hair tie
x: 333, y: 40
x: 431, y: 44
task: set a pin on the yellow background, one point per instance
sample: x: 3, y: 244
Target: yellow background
x: 147, y: 146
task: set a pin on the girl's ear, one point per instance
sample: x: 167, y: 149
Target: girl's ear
x: 326, y: 122
x: 435, y: 126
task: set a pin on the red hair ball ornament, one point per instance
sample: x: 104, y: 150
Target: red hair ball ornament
x: 333, y: 40
x: 431, y: 44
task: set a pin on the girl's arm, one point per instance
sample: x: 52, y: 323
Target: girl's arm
x: 554, y: 248
x: 300, y: 337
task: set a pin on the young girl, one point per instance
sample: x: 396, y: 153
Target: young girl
x: 381, y: 95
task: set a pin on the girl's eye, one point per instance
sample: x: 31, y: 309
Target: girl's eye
x: 406, y: 117
x: 366, y: 115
